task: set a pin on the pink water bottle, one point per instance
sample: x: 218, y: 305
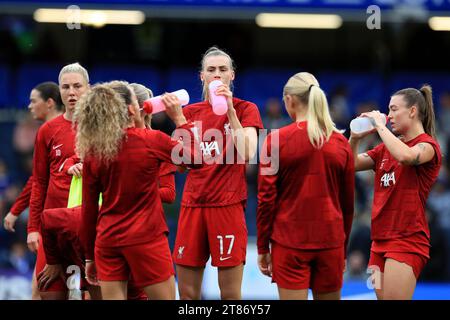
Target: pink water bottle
x: 155, y: 104
x: 218, y: 102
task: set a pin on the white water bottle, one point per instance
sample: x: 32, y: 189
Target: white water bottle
x: 363, y: 124
x: 155, y: 104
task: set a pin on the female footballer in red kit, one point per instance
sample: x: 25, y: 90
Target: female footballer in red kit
x: 55, y: 143
x: 128, y: 234
x: 167, y: 170
x: 305, y: 204
x: 45, y: 105
x: 212, y: 220
x: 60, y: 227
x: 406, y: 165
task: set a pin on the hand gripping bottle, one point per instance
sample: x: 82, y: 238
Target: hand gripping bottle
x: 218, y: 102
x: 155, y: 104
x: 362, y: 124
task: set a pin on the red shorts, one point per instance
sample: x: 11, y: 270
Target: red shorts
x: 416, y: 261
x: 217, y: 231
x: 58, y: 284
x: 148, y: 263
x: 321, y: 270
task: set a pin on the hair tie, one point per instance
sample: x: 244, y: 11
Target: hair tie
x: 309, y: 89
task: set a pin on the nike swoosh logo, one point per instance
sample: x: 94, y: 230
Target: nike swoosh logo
x: 56, y: 147
x: 223, y: 259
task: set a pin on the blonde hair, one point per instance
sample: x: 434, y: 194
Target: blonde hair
x: 102, y: 117
x: 143, y: 93
x: 74, y: 68
x: 214, y: 51
x: 306, y: 88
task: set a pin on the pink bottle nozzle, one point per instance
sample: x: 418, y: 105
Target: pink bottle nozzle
x: 218, y: 102
x: 148, y: 107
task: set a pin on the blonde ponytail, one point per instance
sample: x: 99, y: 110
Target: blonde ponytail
x: 320, y: 125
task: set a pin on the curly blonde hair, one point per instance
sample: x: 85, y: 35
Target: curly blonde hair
x: 102, y: 117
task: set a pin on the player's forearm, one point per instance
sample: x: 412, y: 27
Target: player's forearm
x: 265, y: 214
x: 354, y: 145
x: 37, y: 201
x: 360, y: 160
x: 397, y: 148
x: 245, y: 139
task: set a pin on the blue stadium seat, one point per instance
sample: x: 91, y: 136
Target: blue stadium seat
x: 29, y: 76
x: 439, y: 82
x: 144, y: 75
x: 184, y: 78
x: 362, y: 87
x: 5, y: 89
x: 258, y: 85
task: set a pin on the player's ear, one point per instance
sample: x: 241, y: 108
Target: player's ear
x: 412, y: 111
x: 131, y: 110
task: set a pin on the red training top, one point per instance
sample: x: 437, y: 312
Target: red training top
x: 55, y: 142
x: 23, y: 200
x: 60, y: 226
x: 215, y: 184
x: 401, y: 192
x: 131, y: 211
x: 308, y: 203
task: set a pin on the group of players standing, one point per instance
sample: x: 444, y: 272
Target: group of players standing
x: 117, y: 235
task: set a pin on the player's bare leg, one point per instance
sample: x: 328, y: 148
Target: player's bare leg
x: 379, y: 290
x: 114, y: 290
x: 230, y: 282
x: 161, y: 291
x: 399, y: 281
x: 336, y: 295
x: 190, y: 282
x: 288, y: 294
x: 34, y: 287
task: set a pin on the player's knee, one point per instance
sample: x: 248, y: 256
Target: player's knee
x: 189, y: 292
x: 230, y: 294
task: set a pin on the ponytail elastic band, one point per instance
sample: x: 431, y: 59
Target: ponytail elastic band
x: 310, y: 87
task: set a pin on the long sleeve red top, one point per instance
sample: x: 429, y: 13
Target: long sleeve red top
x: 131, y: 211
x: 60, y: 226
x: 55, y: 142
x: 23, y: 200
x: 308, y: 202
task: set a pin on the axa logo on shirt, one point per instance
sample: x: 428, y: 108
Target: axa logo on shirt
x: 387, y: 178
x: 208, y: 147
